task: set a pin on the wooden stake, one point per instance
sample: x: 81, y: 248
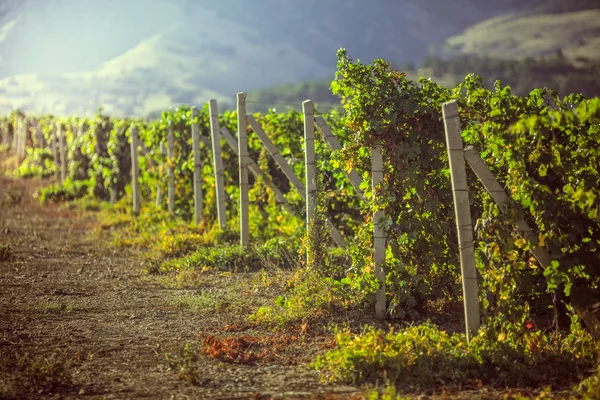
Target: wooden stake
x: 464, y: 226
x: 218, y: 163
x: 243, y: 164
x: 55, y: 152
x: 159, y: 193
x: 378, y: 232
x: 171, y: 169
x: 63, y: 155
x: 135, y: 171
x: 310, y: 165
x: 198, y: 195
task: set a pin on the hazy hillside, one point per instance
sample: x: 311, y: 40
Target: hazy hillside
x: 576, y: 34
x: 138, y: 56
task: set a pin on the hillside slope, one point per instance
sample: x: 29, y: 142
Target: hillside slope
x: 575, y: 34
x: 141, y: 56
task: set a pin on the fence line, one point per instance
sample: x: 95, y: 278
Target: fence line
x: 308, y: 190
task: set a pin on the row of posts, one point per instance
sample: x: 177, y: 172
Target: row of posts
x: 22, y: 135
x: 456, y: 154
x: 308, y: 190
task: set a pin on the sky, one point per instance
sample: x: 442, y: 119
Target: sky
x: 54, y: 36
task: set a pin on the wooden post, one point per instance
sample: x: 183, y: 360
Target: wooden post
x: 378, y: 233
x: 217, y: 163
x: 22, y: 140
x: 198, y: 196
x: 17, y: 141
x: 243, y: 164
x: 464, y: 225
x: 310, y: 165
x: 289, y: 173
x: 171, y: 171
x: 159, y: 194
x: 63, y: 156
x: 5, y: 140
x: 26, y: 137
x: 334, y: 145
x: 15, y: 138
x: 55, y: 151
x: 135, y: 171
x: 40, y: 136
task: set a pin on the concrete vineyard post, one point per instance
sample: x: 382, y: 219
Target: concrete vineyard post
x: 243, y: 165
x: 113, y: 185
x: 135, y: 171
x: 17, y: 141
x: 159, y: 194
x: 5, y: 140
x: 26, y: 137
x: 55, y: 151
x: 15, y: 138
x: 310, y: 166
x: 217, y: 163
x: 23, y: 141
x: 198, y: 196
x: 171, y: 170
x: 464, y: 225
x: 378, y: 233
x: 63, y: 155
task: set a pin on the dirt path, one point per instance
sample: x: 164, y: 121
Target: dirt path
x: 77, y: 321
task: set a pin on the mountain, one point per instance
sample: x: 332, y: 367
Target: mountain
x: 137, y: 57
x: 575, y: 34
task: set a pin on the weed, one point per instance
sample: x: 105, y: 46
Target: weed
x: 185, y: 363
x: 69, y: 190
x: 425, y: 356
x: 389, y: 392
x: 6, y: 252
x: 41, y: 374
x: 195, y: 303
x: 11, y: 197
x: 589, y: 388
x: 310, y: 296
x: 233, y: 258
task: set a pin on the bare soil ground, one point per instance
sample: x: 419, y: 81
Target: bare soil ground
x: 78, y: 321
